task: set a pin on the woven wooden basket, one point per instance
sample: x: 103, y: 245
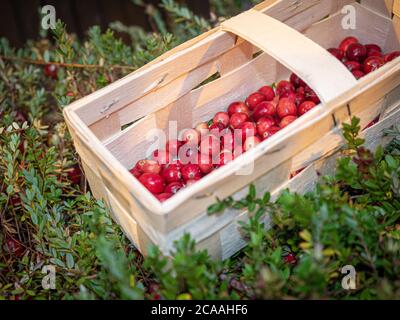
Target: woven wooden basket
x: 287, y: 36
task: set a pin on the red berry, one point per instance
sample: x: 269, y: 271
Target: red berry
x: 372, y: 64
x: 172, y: 174
x: 224, y: 158
x: 237, y: 120
x: 353, y: 65
x: 305, y: 107
x: 136, y: 172
x: 153, y: 182
x: 248, y: 130
x: 238, y: 107
x: 391, y: 56
x: 290, y: 259
x: 205, y: 164
x: 373, y: 49
x: 268, y: 93
x: 264, y: 124
x: 210, y: 145
x: 347, y: 42
x: 191, y: 136
x: 356, y: 52
x: 358, y: 74
x: 286, y: 121
x: 227, y: 141
x: 296, y: 81
x: 75, y: 175
x: 338, y: 53
x: 270, y: 132
x: 284, y: 88
x: 164, y: 196
x: 188, y: 153
x: 202, y: 128
x: 286, y: 107
x: 251, y: 142
x: 173, y: 187
x: 300, y: 96
x: 191, y: 172
x: 150, y: 166
x: 222, y: 118
x: 51, y: 71
x: 312, y: 96
x: 254, y: 100
x: 264, y: 109
x: 173, y: 147
x: 13, y: 247
x: 161, y: 156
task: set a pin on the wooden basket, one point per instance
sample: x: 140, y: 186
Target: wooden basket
x: 291, y: 35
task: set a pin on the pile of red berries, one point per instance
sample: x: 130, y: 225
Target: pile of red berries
x: 209, y: 146
x: 361, y: 59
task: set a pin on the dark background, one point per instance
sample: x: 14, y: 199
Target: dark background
x: 19, y: 19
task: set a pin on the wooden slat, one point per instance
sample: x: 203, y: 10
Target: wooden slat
x: 380, y: 6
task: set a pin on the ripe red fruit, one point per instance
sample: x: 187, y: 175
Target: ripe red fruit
x: 248, y: 130
x: 305, y: 107
x: 188, y: 154
x: 51, y: 71
x: 264, y: 124
x: 161, y: 156
x: 164, y: 196
x: 224, y: 158
x: 372, y: 64
x: 268, y: 92
x: 222, y: 118
x: 358, y: 74
x: 148, y: 166
x: 205, y: 164
x: 300, y: 96
x: 286, y: 121
x: 312, y: 96
x: 356, y: 52
x: 284, y: 88
x: 353, y: 65
x: 172, y: 174
x: 270, y: 132
x: 191, y: 172
x: 296, y: 81
x: 286, y: 107
x: 337, y: 53
x: 237, y: 120
x: 173, y: 187
x: 238, y: 107
x: 173, y: 146
x: 191, y: 136
x: 210, y: 145
x: 264, y: 109
x: 13, y: 247
x: 254, y: 100
x: 75, y: 174
x: 202, y: 128
x: 290, y: 258
x: 175, y: 164
x: 347, y: 42
x: 136, y: 172
x: 391, y: 56
x: 251, y: 142
x: 372, y: 49
x: 153, y: 182
x: 227, y: 141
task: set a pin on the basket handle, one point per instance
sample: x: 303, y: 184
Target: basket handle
x: 312, y: 63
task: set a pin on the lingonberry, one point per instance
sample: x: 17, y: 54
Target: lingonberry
x: 286, y: 107
x: 305, y: 107
x: 238, y: 107
x: 191, y: 172
x: 153, y: 182
x: 268, y: 92
x: 254, y: 100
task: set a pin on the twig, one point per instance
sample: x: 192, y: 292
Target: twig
x: 60, y: 64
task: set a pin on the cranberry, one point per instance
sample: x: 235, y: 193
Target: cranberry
x: 391, y: 56
x: 164, y: 196
x: 161, y: 156
x: 286, y: 121
x: 374, y: 53
x: 254, y: 100
x: 191, y: 136
x: 150, y: 166
x: 173, y: 146
x: 372, y: 48
x: 270, y: 132
x: 227, y: 141
x: 347, y: 42
x: 14, y: 247
x: 75, y: 175
x: 268, y: 93
x: 222, y: 118
x: 191, y: 172
x: 296, y: 81
x: 224, y: 158
x: 210, y: 145
x: 356, y: 52
x: 216, y: 128
x: 238, y: 107
x: 312, y: 96
x: 305, y: 107
x: 153, y: 182
x: 372, y: 64
x: 51, y: 71
x: 251, y: 142
x: 188, y: 154
x: 353, y: 65
x: 358, y: 74
x: 337, y: 53
x: 264, y: 109
x: 175, y: 164
x: 202, y: 128
x: 173, y: 187
x: 136, y: 172
x: 237, y: 120
x: 284, y: 88
x: 286, y: 107
x: 290, y: 258
x: 205, y: 164
x: 172, y: 174
x: 264, y: 124
x: 248, y: 130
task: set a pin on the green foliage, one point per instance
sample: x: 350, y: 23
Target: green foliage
x: 297, y: 244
